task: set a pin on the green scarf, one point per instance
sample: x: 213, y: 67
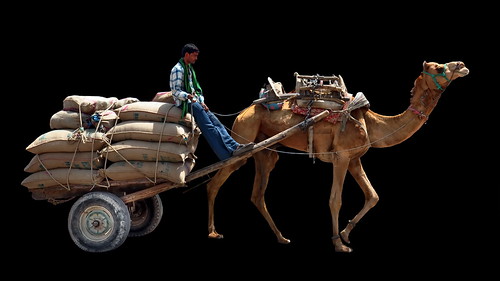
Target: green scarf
x: 196, y: 85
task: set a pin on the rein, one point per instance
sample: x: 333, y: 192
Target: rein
x: 419, y: 113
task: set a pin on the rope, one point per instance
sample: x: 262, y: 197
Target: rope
x: 231, y: 114
x: 331, y: 152
x: 345, y: 150
x: 110, y: 145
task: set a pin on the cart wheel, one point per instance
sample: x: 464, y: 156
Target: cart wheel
x: 145, y: 215
x: 99, y: 222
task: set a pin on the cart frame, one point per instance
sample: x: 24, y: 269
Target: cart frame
x: 100, y: 220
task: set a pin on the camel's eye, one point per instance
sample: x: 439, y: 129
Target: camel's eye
x: 440, y: 69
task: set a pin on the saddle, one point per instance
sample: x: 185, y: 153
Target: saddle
x: 311, y: 91
x: 316, y: 91
x: 313, y: 94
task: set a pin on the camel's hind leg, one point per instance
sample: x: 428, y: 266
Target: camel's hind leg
x: 213, y: 188
x: 265, y: 162
x: 335, y: 202
x: 371, y: 197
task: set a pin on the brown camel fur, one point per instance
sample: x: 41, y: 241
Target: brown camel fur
x: 341, y: 148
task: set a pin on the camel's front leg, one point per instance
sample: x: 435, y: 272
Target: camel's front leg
x: 335, y: 202
x: 371, y: 197
x: 265, y: 162
x: 213, y: 188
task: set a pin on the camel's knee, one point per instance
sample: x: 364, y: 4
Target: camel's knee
x: 258, y: 201
x: 266, y: 159
x: 273, y: 156
x: 372, y: 201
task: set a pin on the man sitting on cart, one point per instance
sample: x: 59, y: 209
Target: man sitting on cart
x: 188, y: 95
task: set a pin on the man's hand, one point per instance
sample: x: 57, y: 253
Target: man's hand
x: 205, y: 106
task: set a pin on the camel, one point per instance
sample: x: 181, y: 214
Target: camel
x: 341, y: 145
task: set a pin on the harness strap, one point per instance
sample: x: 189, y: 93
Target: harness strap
x: 433, y: 76
x: 419, y: 113
x: 310, y: 147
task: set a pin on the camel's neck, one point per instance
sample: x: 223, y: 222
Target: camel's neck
x: 385, y: 131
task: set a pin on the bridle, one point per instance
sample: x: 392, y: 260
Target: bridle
x: 419, y: 113
x: 433, y: 76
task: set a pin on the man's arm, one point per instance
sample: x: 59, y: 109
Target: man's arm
x: 177, y: 84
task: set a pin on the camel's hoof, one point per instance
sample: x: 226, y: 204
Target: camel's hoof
x: 215, y: 235
x: 343, y: 249
x: 345, y: 237
x: 284, y: 241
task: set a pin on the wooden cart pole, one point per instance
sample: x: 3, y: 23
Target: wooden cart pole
x: 152, y: 191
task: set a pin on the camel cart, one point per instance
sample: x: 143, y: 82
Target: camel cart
x: 102, y: 218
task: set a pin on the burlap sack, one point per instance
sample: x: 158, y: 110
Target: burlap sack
x: 63, y: 177
x: 174, y: 172
x: 150, y: 131
x: 88, y: 104
x: 124, y: 101
x: 67, y: 140
x: 164, y: 97
x: 104, y: 120
x: 146, y: 151
x: 52, y: 160
x: 153, y: 111
x: 65, y: 119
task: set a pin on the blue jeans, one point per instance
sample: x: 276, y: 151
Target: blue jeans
x: 214, y: 132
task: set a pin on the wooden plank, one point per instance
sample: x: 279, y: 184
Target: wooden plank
x: 149, y: 192
x: 324, y: 87
x: 282, y: 98
x: 122, y: 186
x: 318, y: 77
x: 152, y: 191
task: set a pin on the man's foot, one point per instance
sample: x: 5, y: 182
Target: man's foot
x: 242, y: 148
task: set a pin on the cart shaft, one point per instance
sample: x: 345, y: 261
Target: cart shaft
x: 152, y: 191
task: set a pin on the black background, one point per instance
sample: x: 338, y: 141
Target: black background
x: 435, y: 211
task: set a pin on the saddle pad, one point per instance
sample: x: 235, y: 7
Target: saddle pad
x: 332, y: 117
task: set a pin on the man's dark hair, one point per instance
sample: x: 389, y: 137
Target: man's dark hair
x: 189, y: 48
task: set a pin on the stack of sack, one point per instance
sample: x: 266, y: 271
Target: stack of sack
x: 67, y: 154
x: 93, y: 139
x: 152, y: 140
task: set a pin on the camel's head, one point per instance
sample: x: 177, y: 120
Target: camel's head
x: 442, y: 74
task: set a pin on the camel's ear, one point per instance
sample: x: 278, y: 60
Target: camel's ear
x: 424, y: 64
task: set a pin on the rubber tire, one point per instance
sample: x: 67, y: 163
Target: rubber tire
x: 145, y: 216
x: 99, y: 222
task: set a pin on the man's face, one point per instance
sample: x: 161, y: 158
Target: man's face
x: 191, y: 58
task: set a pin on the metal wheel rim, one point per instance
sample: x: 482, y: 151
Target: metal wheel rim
x: 96, y: 223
